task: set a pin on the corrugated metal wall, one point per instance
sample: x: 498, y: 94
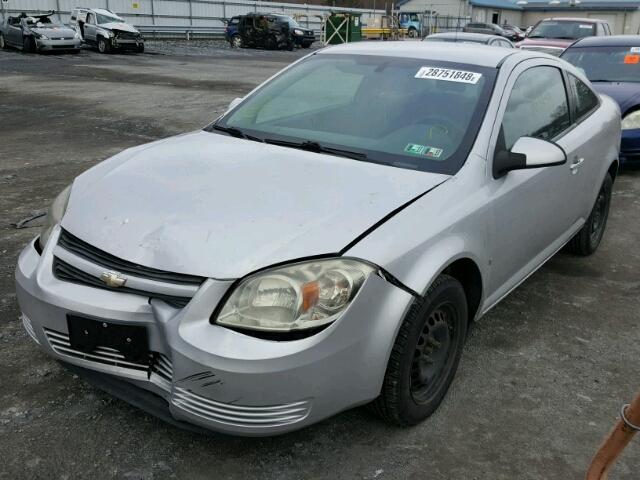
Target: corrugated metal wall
x: 174, y: 12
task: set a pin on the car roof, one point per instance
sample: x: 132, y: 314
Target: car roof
x: 102, y: 11
x: 478, y: 37
x: 575, y: 19
x: 481, y: 55
x: 609, y: 41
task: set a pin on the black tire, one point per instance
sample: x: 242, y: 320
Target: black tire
x: 412, y: 33
x: 28, y: 45
x: 3, y: 44
x: 236, y: 41
x: 306, y: 45
x: 104, y: 45
x: 588, y: 239
x: 271, y: 43
x: 434, y: 330
x: 140, y: 48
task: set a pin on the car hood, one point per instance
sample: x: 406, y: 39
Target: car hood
x: 626, y: 94
x: 54, y: 31
x: 125, y: 27
x: 221, y: 207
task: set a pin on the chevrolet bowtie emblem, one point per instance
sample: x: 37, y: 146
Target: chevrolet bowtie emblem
x: 113, y: 279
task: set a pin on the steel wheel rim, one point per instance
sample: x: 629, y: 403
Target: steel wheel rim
x: 432, y: 356
x: 101, y: 46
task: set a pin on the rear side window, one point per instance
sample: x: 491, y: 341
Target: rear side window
x: 537, y: 107
x: 586, y: 100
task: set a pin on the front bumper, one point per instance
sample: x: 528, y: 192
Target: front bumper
x: 126, y: 44
x: 630, y: 147
x: 214, y: 377
x: 50, y: 45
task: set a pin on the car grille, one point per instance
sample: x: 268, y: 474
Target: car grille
x: 64, y: 271
x: 268, y: 416
x: 159, y: 369
x: 126, y: 36
x: 68, y: 273
x: 83, y: 249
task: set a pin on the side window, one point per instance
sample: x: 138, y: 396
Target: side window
x: 586, y: 100
x: 537, y: 107
x: 90, y: 19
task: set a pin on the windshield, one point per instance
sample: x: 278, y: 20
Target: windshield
x: 292, y: 23
x: 409, y: 113
x: 108, y: 19
x: 606, y: 64
x: 569, y: 30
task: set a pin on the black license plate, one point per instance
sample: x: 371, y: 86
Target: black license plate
x: 86, y: 334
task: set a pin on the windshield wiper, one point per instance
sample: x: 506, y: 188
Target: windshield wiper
x: 235, y: 132
x: 316, y: 147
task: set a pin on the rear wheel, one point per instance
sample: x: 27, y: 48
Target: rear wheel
x: 425, y: 355
x: 412, y: 33
x: 306, y: 45
x: 104, y: 45
x: 3, y: 45
x: 271, y: 43
x: 589, y: 237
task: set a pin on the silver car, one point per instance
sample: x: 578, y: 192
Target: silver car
x: 38, y: 33
x: 327, y: 241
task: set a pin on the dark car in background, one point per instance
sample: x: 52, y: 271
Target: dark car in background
x: 486, y: 28
x: 553, y: 35
x: 463, y: 37
x: 612, y: 64
x: 38, y: 33
x: 516, y: 34
x: 267, y: 30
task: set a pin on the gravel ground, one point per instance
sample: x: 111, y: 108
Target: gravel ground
x: 540, y: 383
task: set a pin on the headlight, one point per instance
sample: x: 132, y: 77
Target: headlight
x: 54, y: 215
x: 298, y: 32
x: 631, y: 121
x: 297, y: 297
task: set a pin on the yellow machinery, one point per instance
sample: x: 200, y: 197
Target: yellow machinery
x: 385, y: 27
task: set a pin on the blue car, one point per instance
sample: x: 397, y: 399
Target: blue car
x: 231, y: 34
x: 612, y: 64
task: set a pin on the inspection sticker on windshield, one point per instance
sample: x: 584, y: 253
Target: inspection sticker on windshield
x: 448, y: 74
x: 425, y: 150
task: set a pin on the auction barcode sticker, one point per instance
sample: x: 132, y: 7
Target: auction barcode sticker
x: 449, y: 75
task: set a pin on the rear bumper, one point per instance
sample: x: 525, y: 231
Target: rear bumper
x: 214, y: 377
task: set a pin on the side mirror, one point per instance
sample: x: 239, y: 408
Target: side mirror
x: 528, y: 152
x: 234, y: 103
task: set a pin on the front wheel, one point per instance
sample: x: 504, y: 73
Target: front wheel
x: 413, y: 33
x: 425, y: 356
x: 3, y: 44
x: 104, y: 45
x: 236, y: 41
x: 588, y: 239
x: 140, y: 48
x: 28, y: 45
x: 306, y: 45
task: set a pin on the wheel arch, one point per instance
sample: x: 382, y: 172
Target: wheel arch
x: 613, y: 169
x: 467, y: 272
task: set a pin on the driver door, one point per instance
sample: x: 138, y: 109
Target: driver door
x: 535, y: 211
x: 90, y: 28
x: 14, y: 34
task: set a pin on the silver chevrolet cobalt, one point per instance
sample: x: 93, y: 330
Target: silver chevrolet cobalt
x: 327, y: 241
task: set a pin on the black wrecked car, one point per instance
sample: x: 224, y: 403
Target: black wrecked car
x: 271, y: 31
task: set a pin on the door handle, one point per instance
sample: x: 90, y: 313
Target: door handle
x: 576, y: 164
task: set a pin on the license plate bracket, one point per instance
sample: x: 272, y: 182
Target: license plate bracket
x: 86, y: 334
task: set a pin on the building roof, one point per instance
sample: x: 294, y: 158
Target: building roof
x: 564, y: 5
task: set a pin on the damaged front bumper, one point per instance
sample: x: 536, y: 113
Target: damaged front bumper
x: 46, y: 45
x: 212, y: 376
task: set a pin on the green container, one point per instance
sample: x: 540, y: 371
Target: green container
x: 343, y: 27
